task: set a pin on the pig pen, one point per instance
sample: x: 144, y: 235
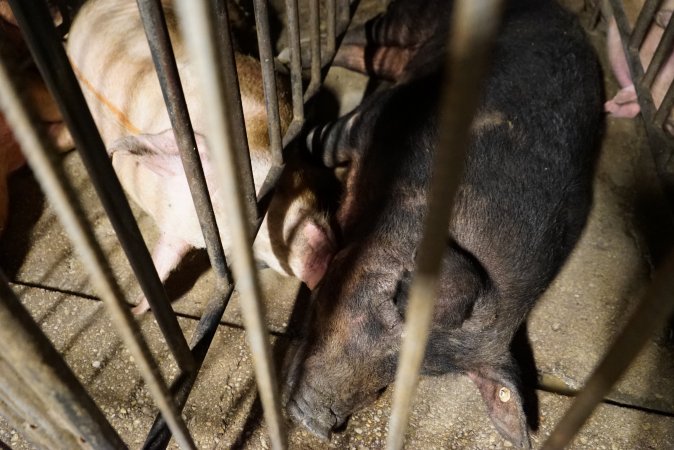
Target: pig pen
x: 570, y: 329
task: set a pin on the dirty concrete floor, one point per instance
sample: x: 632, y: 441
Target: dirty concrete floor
x: 569, y: 330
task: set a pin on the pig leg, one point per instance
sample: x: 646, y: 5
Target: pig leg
x: 503, y: 398
x: 624, y: 104
x: 166, y: 256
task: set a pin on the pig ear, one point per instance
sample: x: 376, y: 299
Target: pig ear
x: 159, y: 152
x: 502, y: 395
x: 663, y: 17
x: 331, y: 143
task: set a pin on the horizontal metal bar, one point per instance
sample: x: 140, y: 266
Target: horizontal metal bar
x: 643, y: 23
x: 50, y: 57
x: 159, y: 41
x: 41, y: 436
x: 653, y: 311
x: 474, y: 25
x: 59, y: 191
x: 664, y: 50
x: 199, y: 28
x: 295, y: 60
x: 268, y: 79
x: 40, y: 368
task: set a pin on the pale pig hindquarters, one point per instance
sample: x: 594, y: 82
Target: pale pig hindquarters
x: 624, y: 103
x: 109, y: 52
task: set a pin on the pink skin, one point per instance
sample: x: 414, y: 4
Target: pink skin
x: 297, y: 242
x: 624, y: 103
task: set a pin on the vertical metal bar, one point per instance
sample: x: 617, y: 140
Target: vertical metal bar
x: 295, y: 59
x: 315, y: 42
x: 474, y: 24
x: 154, y: 22
x: 665, y: 107
x: 651, y: 315
x: 198, y: 27
x: 643, y: 23
x: 331, y: 26
x: 235, y: 108
x: 159, y: 436
x: 268, y: 79
x: 50, y: 57
x: 664, y: 50
x: 343, y: 15
x: 41, y: 369
x: 60, y: 192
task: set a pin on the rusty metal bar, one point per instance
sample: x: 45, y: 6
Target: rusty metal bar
x: 331, y: 26
x: 39, y: 437
x: 41, y: 381
x: 154, y: 22
x: 664, y: 50
x: 198, y: 20
x: 58, y: 189
x: 295, y: 59
x: 50, y: 57
x: 235, y: 108
x: 268, y: 79
x: 660, y: 141
x: 643, y: 23
x: 665, y: 107
x: 343, y: 15
x: 315, y: 42
x: 159, y: 435
x: 474, y: 25
x: 651, y: 315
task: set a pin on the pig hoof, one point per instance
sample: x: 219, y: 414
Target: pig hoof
x: 140, y: 308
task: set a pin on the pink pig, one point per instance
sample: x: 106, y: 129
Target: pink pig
x: 111, y: 57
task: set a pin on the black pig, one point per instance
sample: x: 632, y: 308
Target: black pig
x: 523, y: 201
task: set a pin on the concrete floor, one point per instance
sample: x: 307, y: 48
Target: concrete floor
x: 569, y: 330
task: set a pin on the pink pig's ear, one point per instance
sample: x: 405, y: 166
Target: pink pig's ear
x: 501, y: 393
x: 159, y: 152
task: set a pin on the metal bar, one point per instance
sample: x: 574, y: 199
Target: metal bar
x: 58, y: 189
x: 660, y: 141
x: 343, y: 15
x: 36, y: 421
x: 41, y: 369
x: 268, y: 79
x: 651, y: 315
x: 159, y: 41
x: 199, y: 28
x: 664, y: 50
x: 665, y: 107
x: 474, y: 24
x: 315, y: 42
x: 50, y: 57
x: 643, y: 23
x: 331, y: 26
x: 295, y: 59
x: 235, y: 108
x: 39, y: 437
x: 159, y: 435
